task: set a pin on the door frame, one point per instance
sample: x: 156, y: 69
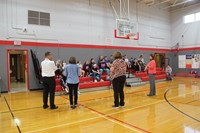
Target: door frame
x: 8, y: 66
x: 164, y: 58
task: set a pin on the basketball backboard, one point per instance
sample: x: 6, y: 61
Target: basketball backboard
x: 126, y: 29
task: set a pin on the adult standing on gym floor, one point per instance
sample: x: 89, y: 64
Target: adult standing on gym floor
x: 72, y: 73
x: 151, y: 67
x: 118, y: 76
x: 48, y: 73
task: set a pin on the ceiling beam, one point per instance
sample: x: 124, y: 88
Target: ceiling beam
x: 177, y: 4
x: 159, y: 3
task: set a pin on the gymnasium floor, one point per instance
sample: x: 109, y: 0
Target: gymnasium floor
x: 95, y: 115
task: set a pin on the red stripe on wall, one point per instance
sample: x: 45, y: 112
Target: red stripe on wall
x: 69, y: 45
x: 5, y: 42
x: 62, y: 45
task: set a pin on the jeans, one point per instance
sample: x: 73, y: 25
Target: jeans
x: 73, y: 93
x: 107, y: 71
x: 118, y: 87
x: 96, y: 76
x: 152, y: 84
x: 169, y: 75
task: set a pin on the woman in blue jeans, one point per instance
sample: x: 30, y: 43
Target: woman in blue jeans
x: 103, y: 67
x: 72, y: 73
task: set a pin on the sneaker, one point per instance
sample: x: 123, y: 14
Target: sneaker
x: 95, y: 80
x: 75, y: 106
x: 115, y: 107
x: 72, y: 106
x: 107, y: 78
x: 121, y: 106
x: 101, y: 80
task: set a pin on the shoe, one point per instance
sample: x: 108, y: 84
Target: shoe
x: 75, y: 106
x: 149, y: 95
x: 121, y: 106
x: 79, y: 93
x: 72, y: 106
x: 45, y: 107
x: 55, y: 107
x: 115, y: 107
x: 107, y: 78
x: 101, y: 80
x: 95, y: 80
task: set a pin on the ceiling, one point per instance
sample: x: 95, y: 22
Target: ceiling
x: 170, y: 5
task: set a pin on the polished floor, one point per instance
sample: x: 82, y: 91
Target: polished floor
x: 18, y: 87
x: 175, y: 109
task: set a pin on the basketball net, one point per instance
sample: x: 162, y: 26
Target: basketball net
x: 132, y: 36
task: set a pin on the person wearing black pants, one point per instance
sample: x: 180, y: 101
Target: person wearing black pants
x: 118, y: 85
x: 48, y: 73
x: 118, y: 76
x: 49, y: 87
x: 73, y: 94
x: 72, y: 73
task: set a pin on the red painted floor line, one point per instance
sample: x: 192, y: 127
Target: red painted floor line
x: 110, y: 117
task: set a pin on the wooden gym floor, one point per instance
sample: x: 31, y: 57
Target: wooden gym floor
x: 23, y: 112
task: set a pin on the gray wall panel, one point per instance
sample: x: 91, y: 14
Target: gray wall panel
x: 63, y: 54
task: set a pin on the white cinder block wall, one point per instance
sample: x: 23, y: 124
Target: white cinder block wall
x: 82, y: 22
x: 190, y: 31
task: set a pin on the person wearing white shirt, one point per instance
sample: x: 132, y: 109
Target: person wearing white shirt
x: 169, y: 72
x: 48, y: 72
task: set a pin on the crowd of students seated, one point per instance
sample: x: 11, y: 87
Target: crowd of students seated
x: 96, y: 69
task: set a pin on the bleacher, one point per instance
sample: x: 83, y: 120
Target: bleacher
x: 136, y: 79
x: 86, y: 83
x: 160, y: 74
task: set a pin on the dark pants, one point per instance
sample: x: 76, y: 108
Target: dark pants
x: 152, y: 84
x: 49, y: 87
x: 118, y: 87
x: 73, y: 93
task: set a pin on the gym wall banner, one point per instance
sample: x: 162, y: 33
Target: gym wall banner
x: 189, y: 61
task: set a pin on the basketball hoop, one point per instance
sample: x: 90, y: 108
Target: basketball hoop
x: 132, y: 36
x: 126, y: 29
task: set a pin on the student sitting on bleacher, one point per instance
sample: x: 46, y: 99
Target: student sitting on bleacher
x: 103, y: 67
x: 106, y: 59
x: 86, y: 68
x: 141, y: 65
x: 111, y: 59
x: 95, y: 73
x: 81, y: 68
x: 135, y: 65
x: 169, y: 72
x: 59, y: 74
x: 92, y: 62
